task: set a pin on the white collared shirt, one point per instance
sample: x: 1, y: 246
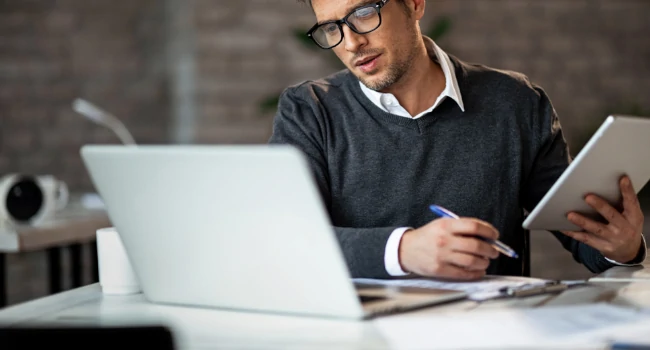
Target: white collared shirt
x: 389, y: 103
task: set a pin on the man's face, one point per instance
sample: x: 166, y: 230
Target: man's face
x: 379, y: 58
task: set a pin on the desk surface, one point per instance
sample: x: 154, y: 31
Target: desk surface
x: 196, y: 328
x: 74, y: 224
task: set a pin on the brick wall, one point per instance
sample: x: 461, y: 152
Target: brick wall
x: 52, y: 52
x: 591, y: 56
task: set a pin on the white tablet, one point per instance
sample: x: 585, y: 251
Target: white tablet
x: 621, y: 146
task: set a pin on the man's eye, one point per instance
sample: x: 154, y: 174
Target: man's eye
x: 364, y: 13
x: 330, y: 28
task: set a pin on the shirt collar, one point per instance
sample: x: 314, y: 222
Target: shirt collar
x: 451, y: 82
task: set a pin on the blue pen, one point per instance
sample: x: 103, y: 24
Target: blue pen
x: 498, y: 245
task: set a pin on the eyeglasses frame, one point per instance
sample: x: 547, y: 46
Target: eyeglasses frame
x: 378, y: 6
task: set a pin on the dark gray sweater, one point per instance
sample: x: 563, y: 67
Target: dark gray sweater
x: 377, y: 171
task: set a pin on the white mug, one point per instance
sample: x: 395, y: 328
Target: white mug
x: 116, y: 275
x: 30, y: 200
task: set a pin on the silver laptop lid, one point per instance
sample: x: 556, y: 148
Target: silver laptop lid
x: 239, y: 227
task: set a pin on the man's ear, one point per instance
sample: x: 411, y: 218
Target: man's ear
x: 415, y: 8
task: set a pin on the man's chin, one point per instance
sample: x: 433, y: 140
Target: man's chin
x: 369, y: 78
x: 373, y: 83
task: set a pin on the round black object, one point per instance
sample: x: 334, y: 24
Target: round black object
x: 24, y: 199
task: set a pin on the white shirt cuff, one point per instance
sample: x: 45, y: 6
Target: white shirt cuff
x: 391, y: 256
x: 645, y: 252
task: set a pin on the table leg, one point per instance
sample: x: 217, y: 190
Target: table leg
x: 3, y: 280
x: 76, y: 265
x: 94, y: 267
x: 54, y: 259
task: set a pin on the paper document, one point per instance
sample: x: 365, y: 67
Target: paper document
x: 550, y: 327
x: 484, y: 289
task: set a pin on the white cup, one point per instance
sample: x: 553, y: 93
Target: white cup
x: 116, y: 275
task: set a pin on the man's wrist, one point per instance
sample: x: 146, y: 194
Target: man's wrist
x: 638, y: 259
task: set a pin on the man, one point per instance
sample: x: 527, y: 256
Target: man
x: 407, y: 126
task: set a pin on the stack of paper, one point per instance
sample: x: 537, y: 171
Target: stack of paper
x: 581, y: 326
x: 486, y: 288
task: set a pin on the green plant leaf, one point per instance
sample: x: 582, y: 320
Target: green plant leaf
x: 269, y: 104
x: 440, y: 28
x: 304, y: 40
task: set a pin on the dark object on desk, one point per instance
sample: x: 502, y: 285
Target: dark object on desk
x: 69, y: 338
x: 23, y: 199
x: 630, y: 346
x: 537, y: 289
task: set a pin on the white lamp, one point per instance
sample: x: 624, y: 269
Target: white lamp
x: 101, y: 117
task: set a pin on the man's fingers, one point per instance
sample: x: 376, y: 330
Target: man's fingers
x: 473, y: 246
x: 472, y: 227
x: 589, y: 239
x: 469, y: 262
x: 605, y: 209
x: 589, y: 225
x: 631, y: 206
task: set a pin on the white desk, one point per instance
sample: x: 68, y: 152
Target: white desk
x: 196, y: 328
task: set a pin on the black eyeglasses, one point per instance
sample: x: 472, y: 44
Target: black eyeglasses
x: 362, y: 20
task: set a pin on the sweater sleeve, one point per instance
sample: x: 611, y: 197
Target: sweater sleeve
x: 550, y: 158
x: 302, y: 125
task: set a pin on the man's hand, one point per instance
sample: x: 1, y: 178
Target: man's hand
x: 444, y: 249
x: 620, y: 238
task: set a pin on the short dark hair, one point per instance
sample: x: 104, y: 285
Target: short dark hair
x: 308, y: 2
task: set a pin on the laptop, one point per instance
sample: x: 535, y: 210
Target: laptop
x: 239, y: 227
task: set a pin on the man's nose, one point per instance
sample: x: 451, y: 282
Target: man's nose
x: 352, y: 40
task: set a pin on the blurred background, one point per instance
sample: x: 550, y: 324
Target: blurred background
x: 209, y: 72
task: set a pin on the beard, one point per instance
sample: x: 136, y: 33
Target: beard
x: 395, y: 70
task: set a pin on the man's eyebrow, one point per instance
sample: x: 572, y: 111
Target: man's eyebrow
x: 349, y: 10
